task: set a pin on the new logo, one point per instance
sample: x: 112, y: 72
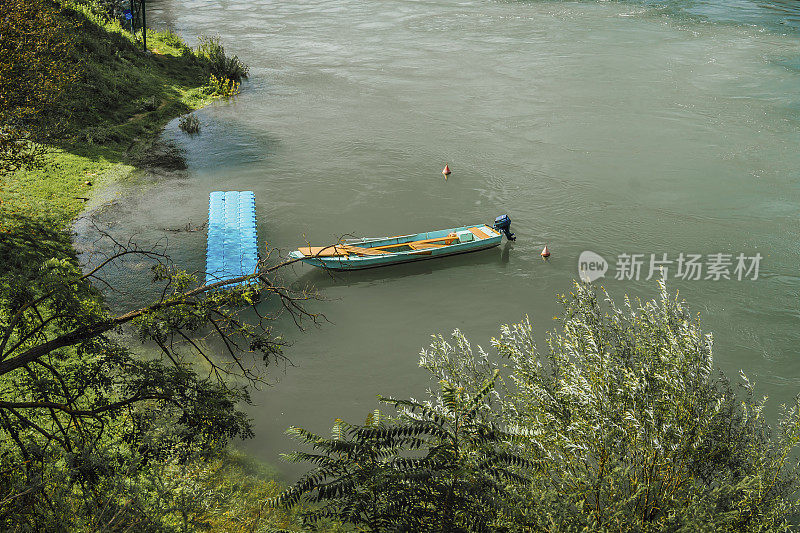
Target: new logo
x: 591, y: 266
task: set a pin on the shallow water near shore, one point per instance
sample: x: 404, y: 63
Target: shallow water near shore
x: 617, y: 127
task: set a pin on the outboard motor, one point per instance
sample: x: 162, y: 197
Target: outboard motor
x: 503, y: 223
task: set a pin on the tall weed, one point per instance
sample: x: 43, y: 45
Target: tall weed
x: 219, y: 65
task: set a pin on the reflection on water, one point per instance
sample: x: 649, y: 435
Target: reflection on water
x: 616, y: 127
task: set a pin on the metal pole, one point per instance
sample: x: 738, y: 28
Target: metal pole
x: 144, y: 26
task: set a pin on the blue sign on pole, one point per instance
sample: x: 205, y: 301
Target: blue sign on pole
x: 128, y: 15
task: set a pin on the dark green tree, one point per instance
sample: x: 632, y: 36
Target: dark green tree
x: 435, y: 468
x: 78, y: 406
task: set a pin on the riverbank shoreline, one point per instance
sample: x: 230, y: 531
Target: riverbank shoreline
x: 105, y: 145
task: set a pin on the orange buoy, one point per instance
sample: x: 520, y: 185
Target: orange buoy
x: 446, y: 170
x: 545, y: 252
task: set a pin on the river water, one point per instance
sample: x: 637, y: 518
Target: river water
x: 617, y: 127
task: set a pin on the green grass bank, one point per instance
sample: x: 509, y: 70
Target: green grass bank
x: 111, y: 115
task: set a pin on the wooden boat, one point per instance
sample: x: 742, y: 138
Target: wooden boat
x: 382, y: 251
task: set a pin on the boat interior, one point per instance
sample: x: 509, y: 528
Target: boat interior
x: 416, y: 243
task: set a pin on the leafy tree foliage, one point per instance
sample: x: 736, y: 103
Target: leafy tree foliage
x: 623, y: 426
x: 640, y: 432
x: 78, y: 408
x: 35, y: 68
x: 436, y: 468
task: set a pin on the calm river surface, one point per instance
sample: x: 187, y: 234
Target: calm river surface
x: 616, y: 127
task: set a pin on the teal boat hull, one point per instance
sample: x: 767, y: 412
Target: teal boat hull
x: 359, y: 262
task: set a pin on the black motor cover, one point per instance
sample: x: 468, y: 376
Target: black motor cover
x: 503, y: 223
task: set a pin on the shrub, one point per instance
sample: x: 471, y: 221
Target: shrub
x: 220, y: 65
x: 189, y: 124
x: 223, y: 87
x: 623, y: 426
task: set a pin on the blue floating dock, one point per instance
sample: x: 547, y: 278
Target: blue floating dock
x: 232, y: 249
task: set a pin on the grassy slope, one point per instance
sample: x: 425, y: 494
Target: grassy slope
x: 111, y: 116
x: 114, y: 115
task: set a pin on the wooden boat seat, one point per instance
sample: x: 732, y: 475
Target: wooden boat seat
x: 446, y: 241
x: 478, y: 233
x: 424, y: 246
x: 321, y: 251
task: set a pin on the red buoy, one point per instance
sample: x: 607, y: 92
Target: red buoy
x: 446, y: 170
x: 545, y: 252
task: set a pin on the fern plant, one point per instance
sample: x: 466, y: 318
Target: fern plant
x: 434, y: 468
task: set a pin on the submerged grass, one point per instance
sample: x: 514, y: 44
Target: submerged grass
x: 190, y: 124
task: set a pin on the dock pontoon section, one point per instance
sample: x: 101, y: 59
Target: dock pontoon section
x: 232, y: 249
